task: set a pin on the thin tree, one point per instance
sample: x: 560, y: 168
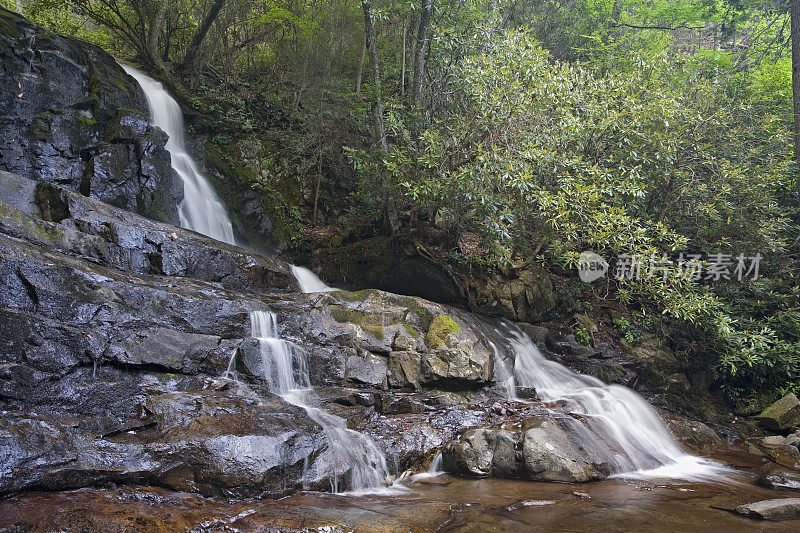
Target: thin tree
x: 795, y: 25
x: 390, y: 219
x: 190, y: 58
x: 421, y: 50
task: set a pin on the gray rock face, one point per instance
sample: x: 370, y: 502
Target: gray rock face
x: 548, y: 450
x: 209, y: 441
x: 50, y: 215
x: 782, y: 414
x: 70, y: 115
x: 777, y: 509
x: 552, y: 453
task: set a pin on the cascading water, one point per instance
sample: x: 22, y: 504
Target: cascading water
x: 308, y: 281
x: 614, y: 414
x: 283, y: 368
x: 201, y: 209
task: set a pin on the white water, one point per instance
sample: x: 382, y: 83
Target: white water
x: 283, y: 368
x: 308, y: 281
x: 616, y: 415
x: 201, y: 209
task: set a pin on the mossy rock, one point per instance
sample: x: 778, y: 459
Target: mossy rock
x: 370, y: 323
x: 441, y: 327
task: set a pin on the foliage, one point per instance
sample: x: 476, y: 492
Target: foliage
x: 655, y: 159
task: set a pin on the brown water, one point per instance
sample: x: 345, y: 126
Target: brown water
x: 444, y: 504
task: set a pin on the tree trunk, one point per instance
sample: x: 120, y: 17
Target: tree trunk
x: 390, y: 219
x: 194, y: 47
x: 377, y: 105
x: 422, y: 39
x: 154, y: 35
x: 795, y: 16
x: 361, y: 64
x: 403, y: 69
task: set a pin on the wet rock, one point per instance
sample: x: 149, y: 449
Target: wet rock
x: 526, y: 393
x: 794, y: 439
x: 538, y: 334
x: 165, y: 348
x: 30, y: 448
x: 777, y: 509
x: 694, y: 432
x: 551, y: 454
x: 525, y: 295
x: 365, y: 367
x: 404, y: 369
x: 567, y: 345
x: 778, y: 477
x: 545, y: 450
x: 782, y: 414
x: 72, y: 116
x: 115, y: 238
x: 471, y: 455
x: 445, y: 349
x: 211, y: 442
x: 783, y: 454
x: 774, y: 440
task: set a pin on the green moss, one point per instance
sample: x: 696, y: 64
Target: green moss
x: 372, y: 324
x: 54, y: 208
x: 87, y: 122
x: 158, y: 210
x: 411, y: 330
x: 441, y: 327
x: 40, y: 125
x: 357, y: 296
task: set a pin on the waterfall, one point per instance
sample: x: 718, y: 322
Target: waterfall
x: 201, y: 209
x: 283, y: 368
x: 308, y: 281
x: 614, y: 414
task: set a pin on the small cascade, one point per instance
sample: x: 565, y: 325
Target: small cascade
x: 283, y: 368
x: 613, y: 414
x: 436, y: 465
x: 308, y: 281
x: 201, y: 209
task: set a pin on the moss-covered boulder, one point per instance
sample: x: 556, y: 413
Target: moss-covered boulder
x: 422, y: 344
x: 783, y: 414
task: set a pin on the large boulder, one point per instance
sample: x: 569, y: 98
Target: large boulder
x: 69, y: 114
x: 544, y: 449
x: 211, y: 441
x: 783, y: 414
x: 523, y: 295
x: 416, y: 344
